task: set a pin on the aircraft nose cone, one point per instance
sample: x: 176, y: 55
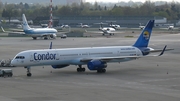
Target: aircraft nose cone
x: 13, y: 62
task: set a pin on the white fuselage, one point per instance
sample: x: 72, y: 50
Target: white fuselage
x: 141, y: 27
x: 170, y: 27
x: 40, y: 31
x: 72, y: 56
x: 115, y: 26
x: 107, y: 30
x: 85, y: 26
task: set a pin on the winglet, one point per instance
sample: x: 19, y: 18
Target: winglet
x: 162, y: 52
x: 2, y: 29
x: 50, y: 46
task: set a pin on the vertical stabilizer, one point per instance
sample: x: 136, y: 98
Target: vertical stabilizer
x: 2, y: 29
x: 25, y: 23
x: 145, y: 35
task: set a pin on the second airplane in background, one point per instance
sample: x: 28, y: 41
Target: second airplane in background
x: 45, y: 33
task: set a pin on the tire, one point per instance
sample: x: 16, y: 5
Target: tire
x: 29, y: 74
x: 11, y: 75
x: 83, y: 69
x: 34, y: 38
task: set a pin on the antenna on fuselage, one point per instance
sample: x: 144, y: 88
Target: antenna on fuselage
x: 50, y: 46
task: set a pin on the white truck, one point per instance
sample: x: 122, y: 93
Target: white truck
x: 6, y: 72
x: 63, y: 36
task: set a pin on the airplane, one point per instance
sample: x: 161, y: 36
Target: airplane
x: 96, y: 58
x: 141, y: 27
x: 104, y: 30
x: 38, y: 32
x: 115, y: 26
x: 65, y: 26
x: 84, y: 26
x: 169, y: 28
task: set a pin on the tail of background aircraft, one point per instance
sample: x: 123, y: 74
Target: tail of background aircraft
x: 2, y: 29
x: 144, y: 37
x: 25, y: 23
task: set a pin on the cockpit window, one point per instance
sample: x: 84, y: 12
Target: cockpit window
x: 20, y: 57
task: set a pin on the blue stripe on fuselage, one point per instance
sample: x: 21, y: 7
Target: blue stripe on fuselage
x: 39, y: 32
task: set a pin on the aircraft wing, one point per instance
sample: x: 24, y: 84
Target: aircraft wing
x: 47, y: 34
x: 12, y: 30
x: 16, y: 30
x: 107, y: 59
x: 175, y: 28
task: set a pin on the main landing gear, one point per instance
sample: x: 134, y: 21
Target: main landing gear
x: 80, y: 69
x: 101, y: 70
x: 28, y: 71
x: 34, y: 38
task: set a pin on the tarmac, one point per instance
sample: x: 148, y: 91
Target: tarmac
x: 144, y: 79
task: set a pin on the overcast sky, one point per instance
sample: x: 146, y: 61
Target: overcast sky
x: 64, y: 1
x: 113, y: 1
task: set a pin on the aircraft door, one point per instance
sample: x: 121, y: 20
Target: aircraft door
x: 57, y: 56
x: 32, y: 58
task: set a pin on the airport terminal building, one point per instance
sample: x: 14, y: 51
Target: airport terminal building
x: 123, y: 21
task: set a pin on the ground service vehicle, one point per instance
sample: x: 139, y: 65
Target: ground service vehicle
x: 6, y: 72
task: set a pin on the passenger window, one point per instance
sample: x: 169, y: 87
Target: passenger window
x: 20, y: 57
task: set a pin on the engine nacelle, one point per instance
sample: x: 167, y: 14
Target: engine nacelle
x: 53, y: 36
x: 59, y: 66
x: 96, y: 65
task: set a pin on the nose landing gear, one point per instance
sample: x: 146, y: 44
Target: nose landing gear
x: 28, y: 71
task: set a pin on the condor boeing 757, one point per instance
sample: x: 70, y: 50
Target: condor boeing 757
x: 96, y: 58
x: 38, y: 32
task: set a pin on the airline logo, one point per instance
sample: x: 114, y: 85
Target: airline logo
x: 24, y: 24
x: 47, y: 56
x: 146, y: 35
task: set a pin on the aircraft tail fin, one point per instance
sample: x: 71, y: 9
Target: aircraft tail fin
x: 145, y: 35
x: 25, y: 23
x: 2, y: 29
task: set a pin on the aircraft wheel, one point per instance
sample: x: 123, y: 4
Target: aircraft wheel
x: 101, y: 70
x: 45, y: 38
x: 78, y: 69
x: 29, y: 74
x: 83, y: 69
x: 34, y: 38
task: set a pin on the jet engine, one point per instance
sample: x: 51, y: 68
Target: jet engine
x: 96, y: 65
x: 53, y: 36
x: 59, y: 66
